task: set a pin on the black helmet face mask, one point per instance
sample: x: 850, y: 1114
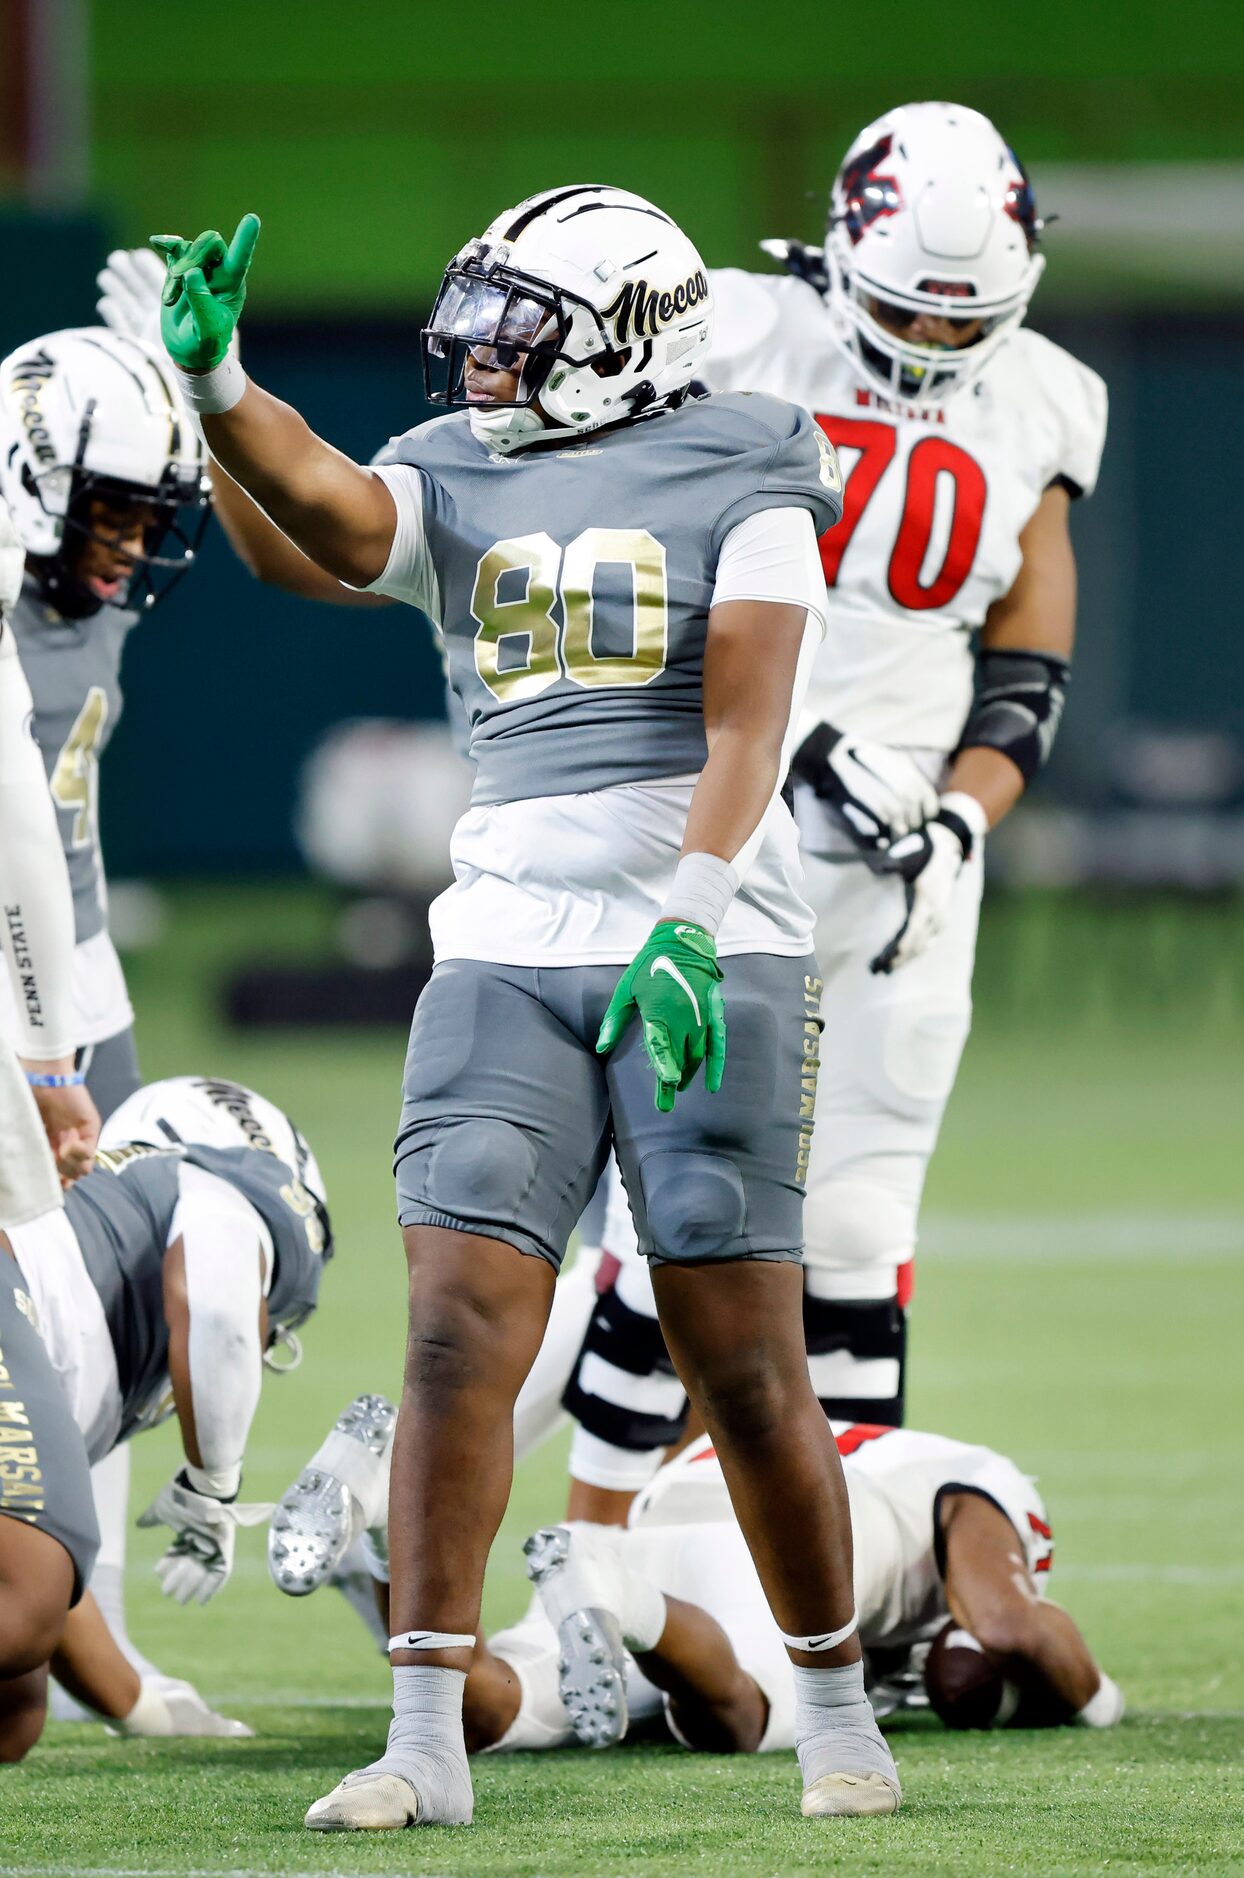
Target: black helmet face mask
x: 178, y: 512
x: 507, y: 321
x: 171, y: 538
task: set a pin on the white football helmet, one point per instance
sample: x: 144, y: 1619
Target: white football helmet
x: 211, y: 1112
x: 931, y: 212
x: 91, y: 413
x: 599, y: 295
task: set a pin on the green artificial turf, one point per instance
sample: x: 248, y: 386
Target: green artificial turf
x: 1079, y: 1306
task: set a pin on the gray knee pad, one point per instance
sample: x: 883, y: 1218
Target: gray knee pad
x: 695, y: 1206
x: 488, y: 1164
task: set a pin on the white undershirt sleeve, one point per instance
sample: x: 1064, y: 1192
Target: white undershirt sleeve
x: 408, y: 573
x: 773, y: 556
x: 36, y: 907
x: 229, y: 1258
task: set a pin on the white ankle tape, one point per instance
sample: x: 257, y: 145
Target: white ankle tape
x: 432, y: 1640
x: 828, y: 1640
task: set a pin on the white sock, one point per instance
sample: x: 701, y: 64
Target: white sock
x: 426, y: 1744
x: 836, y: 1731
x: 600, y: 1575
x: 643, y: 1620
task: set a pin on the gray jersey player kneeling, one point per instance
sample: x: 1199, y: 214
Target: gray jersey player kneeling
x: 170, y: 1271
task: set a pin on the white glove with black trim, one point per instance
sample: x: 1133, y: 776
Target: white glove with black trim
x: 929, y: 863
x: 876, y: 793
x: 200, y: 1558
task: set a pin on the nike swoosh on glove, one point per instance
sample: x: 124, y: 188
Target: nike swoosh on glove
x: 674, y: 982
x: 200, y: 1558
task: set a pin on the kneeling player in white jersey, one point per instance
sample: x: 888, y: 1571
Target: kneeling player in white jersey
x: 965, y: 438
x: 620, y: 574
x: 157, y: 1288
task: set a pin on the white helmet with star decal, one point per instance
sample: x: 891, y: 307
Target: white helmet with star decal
x: 932, y: 212
x: 597, y: 297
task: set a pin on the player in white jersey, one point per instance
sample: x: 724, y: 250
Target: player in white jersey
x: 953, y: 1549
x: 964, y: 438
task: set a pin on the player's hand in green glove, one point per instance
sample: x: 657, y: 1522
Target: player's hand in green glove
x: 674, y: 983
x: 204, y: 293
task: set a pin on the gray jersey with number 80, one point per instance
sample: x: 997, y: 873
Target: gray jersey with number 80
x: 573, y: 585
x: 73, y: 670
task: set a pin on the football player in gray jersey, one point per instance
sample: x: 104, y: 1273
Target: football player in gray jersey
x: 626, y: 584
x: 159, y: 1287
x: 105, y: 480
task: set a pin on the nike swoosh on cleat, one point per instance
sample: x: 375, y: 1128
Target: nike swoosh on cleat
x: 667, y: 965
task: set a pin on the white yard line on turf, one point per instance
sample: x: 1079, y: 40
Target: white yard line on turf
x: 1153, y: 1238
x: 172, y: 1871
x: 1134, y: 1574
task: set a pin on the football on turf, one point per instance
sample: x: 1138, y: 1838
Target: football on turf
x: 965, y: 1687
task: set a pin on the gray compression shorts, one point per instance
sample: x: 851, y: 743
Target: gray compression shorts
x: 45, y: 1477
x: 508, y: 1113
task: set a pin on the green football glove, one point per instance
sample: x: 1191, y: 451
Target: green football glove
x: 204, y: 293
x: 674, y: 983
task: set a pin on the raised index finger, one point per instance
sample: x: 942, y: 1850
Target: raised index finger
x: 241, y: 248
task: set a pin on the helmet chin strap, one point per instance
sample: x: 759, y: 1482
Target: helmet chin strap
x: 507, y: 430
x: 62, y: 589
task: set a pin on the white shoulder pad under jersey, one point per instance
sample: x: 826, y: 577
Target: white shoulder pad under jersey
x: 935, y: 502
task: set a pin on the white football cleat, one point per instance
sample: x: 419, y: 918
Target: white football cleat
x: 848, y: 1796
x: 572, y: 1578
x: 341, y: 1491
x: 366, y: 1802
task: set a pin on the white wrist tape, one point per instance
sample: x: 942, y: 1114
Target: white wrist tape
x: 1105, y: 1708
x: 207, y: 394
x: 702, y: 889
x: 432, y: 1640
x: 828, y: 1640
x: 969, y: 810
x: 149, y: 1715
x: 218, y: 1483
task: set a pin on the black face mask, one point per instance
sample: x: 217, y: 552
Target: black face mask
x: 181, y: 512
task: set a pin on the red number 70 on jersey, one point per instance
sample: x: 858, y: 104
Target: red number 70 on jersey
x: 930, y: 458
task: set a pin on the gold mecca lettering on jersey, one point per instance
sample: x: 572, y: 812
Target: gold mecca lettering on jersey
x: 30, y: 376
x: 21, y: 1477
x: 808, y: 1068
x: 640, y: 311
